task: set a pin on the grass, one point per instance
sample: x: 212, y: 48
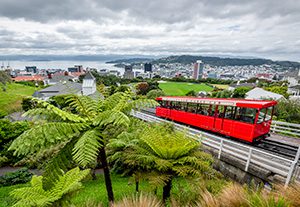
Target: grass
x: 180, y: 89
x: 94, y: 191
x: 10, y: 101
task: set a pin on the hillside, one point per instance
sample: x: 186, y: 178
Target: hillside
x: 217, y: 61
x: 10, y: 100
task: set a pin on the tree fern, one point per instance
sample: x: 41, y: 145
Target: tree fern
x: 167, y: 153
x: 86, y: 124
x: 35, y: 195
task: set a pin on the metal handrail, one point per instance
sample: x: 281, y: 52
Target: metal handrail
x: 251, y: 155
x: 285, y: 128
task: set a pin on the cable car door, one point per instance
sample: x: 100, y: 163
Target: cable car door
x: 219, y: 118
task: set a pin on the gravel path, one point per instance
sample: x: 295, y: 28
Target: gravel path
x: 283, y: 138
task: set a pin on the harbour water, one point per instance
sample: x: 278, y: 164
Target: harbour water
x: 61, y: 65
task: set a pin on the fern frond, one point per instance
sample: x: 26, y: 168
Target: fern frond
x: 35, y: 195
x: 84, y: 105
x: 64, y: 115
x: 139, y: 104
x: 87, y: 147
x: 59, y: 164
x: 42, y: 114
x: 116, y: 118
x: 45, y: 135
x: 112, y: 101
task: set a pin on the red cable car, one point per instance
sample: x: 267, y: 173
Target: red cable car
x: 247, y: 120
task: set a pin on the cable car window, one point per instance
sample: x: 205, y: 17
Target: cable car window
x: 261, y: 115
x: 183, y: 106
x: 269, y: 113
x: 192, y: 107
x: 168, y: 104
x: 229, y: 112
x: 245, y: 115
x: 203, y: 109
x: 220, y: 111
x: 211, y: 111
x: 176, y: 105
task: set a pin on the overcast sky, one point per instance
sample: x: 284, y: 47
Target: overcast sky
x: 260, y: 28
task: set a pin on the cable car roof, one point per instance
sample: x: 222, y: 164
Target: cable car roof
x: 221, y: 101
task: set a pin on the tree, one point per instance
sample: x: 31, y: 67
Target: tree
x: 82, y: 134
x: 240, y: 92
x: 167, y: 154
x: 4, y: 78
x: 153, y: 94
x: 142, y: 88
x: 278, y: 89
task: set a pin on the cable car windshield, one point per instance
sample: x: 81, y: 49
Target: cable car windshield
x: 265, y: 114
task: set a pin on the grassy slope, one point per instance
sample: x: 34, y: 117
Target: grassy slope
x: 94, y: 191
x: 180, y: 89
x: 10, y: 100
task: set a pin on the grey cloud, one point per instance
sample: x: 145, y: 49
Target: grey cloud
x: 169, y: 11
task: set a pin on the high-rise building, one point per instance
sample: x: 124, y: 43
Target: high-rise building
x: 147, y: 67
x: 128, y: 74
x: 31, y: 69
x: 198, y: 70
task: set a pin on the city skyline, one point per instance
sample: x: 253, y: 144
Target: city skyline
x: 268, y: 29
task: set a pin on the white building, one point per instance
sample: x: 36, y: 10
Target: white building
x: 261, y: 94
x: 89, y: 84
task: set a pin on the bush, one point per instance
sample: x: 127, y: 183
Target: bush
x: 191, y: 93
x: 13, y: 178
x: 153, y: 94
x: 287, y: 110
x: 240, y: 92
x: 8, y: 132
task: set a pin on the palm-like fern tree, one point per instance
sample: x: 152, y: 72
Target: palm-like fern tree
x: 168, y: 154
x: 79, y: 132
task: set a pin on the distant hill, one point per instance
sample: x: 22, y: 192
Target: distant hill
x: 131, y: 60
x: 217, y: 61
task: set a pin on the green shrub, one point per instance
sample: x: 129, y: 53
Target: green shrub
x: 8, y: 132
x: 13, y: 178
x: 153, y: 94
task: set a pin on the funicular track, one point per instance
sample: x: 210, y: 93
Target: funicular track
x: 276, y: 147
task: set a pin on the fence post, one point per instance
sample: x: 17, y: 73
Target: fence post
x: 248, y: 160
x: 290, y: 174
x: 221, y: 148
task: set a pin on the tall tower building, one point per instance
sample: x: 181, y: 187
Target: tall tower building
x: 147, y: 67
x: 198, y: 70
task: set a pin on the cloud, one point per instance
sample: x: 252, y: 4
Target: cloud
x: 266, y: 28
